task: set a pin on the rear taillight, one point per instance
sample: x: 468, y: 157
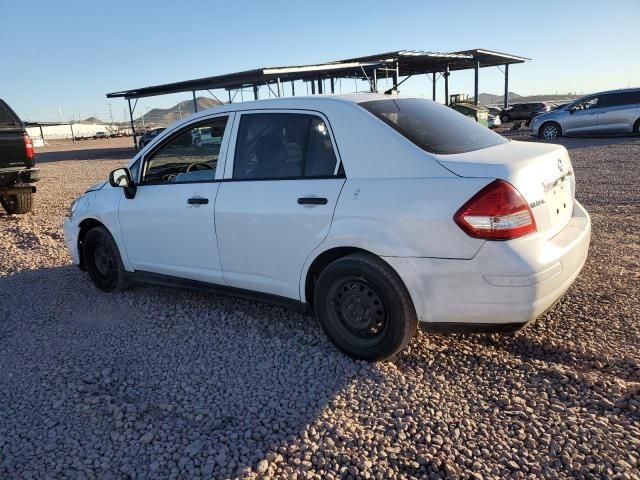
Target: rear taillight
x: 497, y: 212
x: 28, y: 146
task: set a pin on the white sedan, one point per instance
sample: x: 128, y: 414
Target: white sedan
x: 374, y: 212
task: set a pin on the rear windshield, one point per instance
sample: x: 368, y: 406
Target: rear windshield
x: 6, y: 116
x: 433, y: 127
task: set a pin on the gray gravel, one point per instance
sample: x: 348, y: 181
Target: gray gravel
x: 155, y: 383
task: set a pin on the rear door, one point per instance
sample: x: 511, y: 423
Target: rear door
x: 277, y: 200
x: 617, y: 112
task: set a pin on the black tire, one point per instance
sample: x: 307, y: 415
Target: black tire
x: 17, y: 204
x: 102, y: 260
x: 141, y: 145
x: 505, y: 118
x: 549, y: 131
x: 364, y: 308
x: 636, y: 127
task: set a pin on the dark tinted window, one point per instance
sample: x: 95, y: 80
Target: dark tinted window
x: 6, y: 115
x: 433, y: 127
x: 283, y: 145
x: 622, y: 98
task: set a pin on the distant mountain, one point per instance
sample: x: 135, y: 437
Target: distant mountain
x: 491, y: 99
x: 91, y: 120
x: 166, y: 116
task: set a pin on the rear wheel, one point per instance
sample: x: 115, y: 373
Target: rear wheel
x: 636, y: 127
x: 504, y: 118
x: 17, y: 204
x: 102, y: 260
x: 549, y: 131
x: 364, y: 308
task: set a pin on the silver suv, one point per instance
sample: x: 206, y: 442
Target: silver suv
x: 616, y: 111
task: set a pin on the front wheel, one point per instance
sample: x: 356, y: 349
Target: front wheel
x: 17, y: 204
x: 636, y: 127
x: 549, y: 131
x: 102, y: 260
x: 364, y: 308
x: 504, y: 118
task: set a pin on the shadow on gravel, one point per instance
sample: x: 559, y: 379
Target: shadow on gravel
x: 155, y: 382
x: 119, y: 153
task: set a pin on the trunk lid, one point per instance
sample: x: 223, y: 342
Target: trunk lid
x: 542, y: 173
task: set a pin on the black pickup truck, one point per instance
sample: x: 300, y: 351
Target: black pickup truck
x: 17, y: 160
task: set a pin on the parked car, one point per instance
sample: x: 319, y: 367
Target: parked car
x: 376, y: 213
x: 17, y: 163
x: 100, y: 135
x: 493, y: 121
x: 523, y: 111
x: 615, y: 111
x: 148, y: 136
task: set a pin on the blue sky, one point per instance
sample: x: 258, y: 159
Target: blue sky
x: 69, y: 54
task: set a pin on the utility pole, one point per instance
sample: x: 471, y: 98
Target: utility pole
x: 110, y: 114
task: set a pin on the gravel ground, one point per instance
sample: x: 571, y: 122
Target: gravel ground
x: 154, y: 383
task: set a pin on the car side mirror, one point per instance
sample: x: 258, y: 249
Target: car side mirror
x: 121, y: 177
x: 572, y: 110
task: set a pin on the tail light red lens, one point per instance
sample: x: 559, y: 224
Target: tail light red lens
x: 28, y: 146
x: 497, y: 212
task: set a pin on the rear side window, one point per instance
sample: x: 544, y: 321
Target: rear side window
x: 622, y: 98
x: 7, y: 117
x: 283, y: 145
x: 433, y: 127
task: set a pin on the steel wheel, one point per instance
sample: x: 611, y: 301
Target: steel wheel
x: 103, y: 260
x: 358, y: 310
x: 550, y: 131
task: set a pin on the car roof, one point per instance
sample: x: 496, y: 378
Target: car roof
x: 303, y: 102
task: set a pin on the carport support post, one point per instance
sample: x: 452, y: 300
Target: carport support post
x: 279, y: 88
x: 195, y: 103
x: 476, y: 70
x: 133, y: 128
x: 293, y: 88
x: 73, y: 137
x: 446, y: 85
x: 319, y: 86
x: 255, y: 92
x: 333, y: 85
x: 41, y: 134
x: 313, y: 87
x: 433, y: 86
x: 506, y: 86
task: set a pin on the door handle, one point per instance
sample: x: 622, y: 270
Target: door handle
x: 312, y: 201
x: 198, y: 201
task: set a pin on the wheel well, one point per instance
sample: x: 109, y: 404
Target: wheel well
x: 85, y: 226
x: 636, y: 126
x: 320, y: 263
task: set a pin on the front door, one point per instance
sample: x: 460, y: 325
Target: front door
x: 168, y: 227
x: 277, y: 201
x: 583, y: 117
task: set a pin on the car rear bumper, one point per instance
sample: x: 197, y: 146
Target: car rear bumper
x: 506, y: 285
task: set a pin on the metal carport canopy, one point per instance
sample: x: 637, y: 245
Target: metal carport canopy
x: 394, y: 64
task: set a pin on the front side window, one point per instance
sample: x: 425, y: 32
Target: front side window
x: 189, y: 156
x: 283, y: 145
x: 587, y: 103
x: 433, y: 127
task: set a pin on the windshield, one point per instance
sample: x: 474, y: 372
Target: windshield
x: 433, y: 127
